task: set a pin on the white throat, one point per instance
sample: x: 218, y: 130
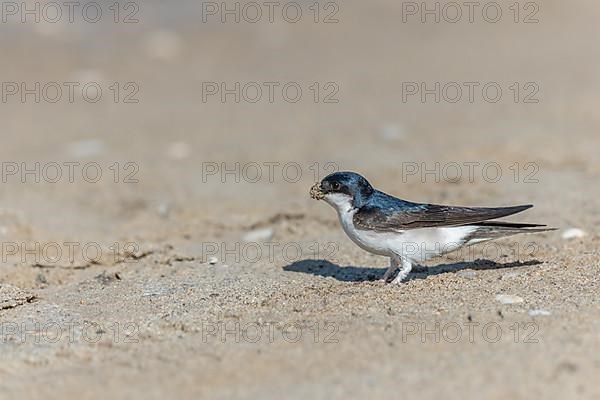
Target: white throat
x: 341, y: 202
x: 343, y: 205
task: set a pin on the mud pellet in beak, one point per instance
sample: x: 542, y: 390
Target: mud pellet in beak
x: 315, y: 191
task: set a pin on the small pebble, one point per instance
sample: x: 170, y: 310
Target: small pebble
x: 163, y: 210
x: 509, y: 299
x: 213, y: 260
x: 258, y: 235
x: 41, y: 278
x: 538, y: 313
x: 573, y: 233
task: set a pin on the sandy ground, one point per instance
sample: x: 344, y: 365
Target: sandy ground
x: 185, y: 281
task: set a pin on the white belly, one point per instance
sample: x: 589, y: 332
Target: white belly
x: 416, y: 245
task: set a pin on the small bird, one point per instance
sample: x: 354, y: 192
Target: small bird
x: 410, y: 233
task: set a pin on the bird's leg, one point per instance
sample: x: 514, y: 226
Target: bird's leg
x: 394, y: 264
x: 404, y: 271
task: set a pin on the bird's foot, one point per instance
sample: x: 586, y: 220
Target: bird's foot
x: 387, y: 276
x: 399, y: 278
x: 404, y: 271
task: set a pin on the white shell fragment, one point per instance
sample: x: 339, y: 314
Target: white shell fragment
x: 259, y: 235
x: 573, y: 233
x: 539, y: 313
x: 509, y: 299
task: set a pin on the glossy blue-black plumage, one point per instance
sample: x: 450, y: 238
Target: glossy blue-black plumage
x: 379, y: 211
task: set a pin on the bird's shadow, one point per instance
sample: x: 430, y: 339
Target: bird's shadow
x: 361, y: 274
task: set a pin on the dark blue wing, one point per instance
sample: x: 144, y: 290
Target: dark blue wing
x: 386, y: 213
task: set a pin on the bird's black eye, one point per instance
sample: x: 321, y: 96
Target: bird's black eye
x: 335, y: 186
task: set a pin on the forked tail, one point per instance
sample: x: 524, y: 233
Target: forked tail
x: 493, y: 230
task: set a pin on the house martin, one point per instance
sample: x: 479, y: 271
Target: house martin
x: 410, y: 233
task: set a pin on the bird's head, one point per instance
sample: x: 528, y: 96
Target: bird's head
x: 343, y: 190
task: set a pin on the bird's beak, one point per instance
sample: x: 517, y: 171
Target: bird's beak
x: 316, y: 192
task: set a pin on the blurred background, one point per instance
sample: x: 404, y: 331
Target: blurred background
x: 158, y: 64
x: 163, y: 98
